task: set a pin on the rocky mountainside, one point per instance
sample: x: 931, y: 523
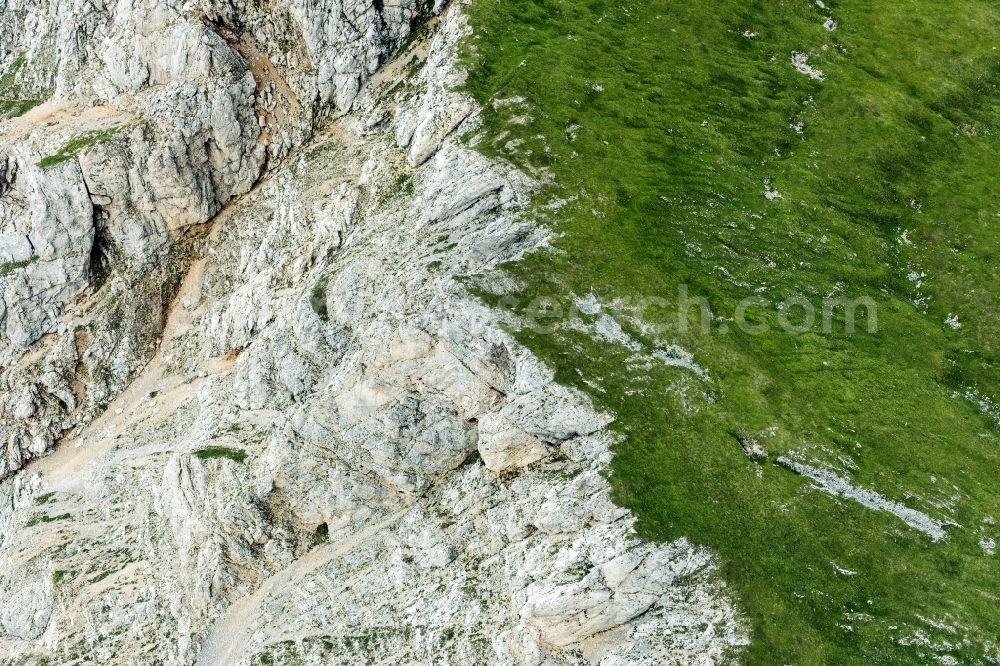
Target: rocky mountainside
x: 249, y: 412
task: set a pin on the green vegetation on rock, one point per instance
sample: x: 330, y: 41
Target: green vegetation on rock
x: 44, y: 499
x: 690, y: 145
x: 41, y: 519
x: 12, y: 101
x: 210, y: 452
x: 75, y: 146
x: 13, y: 108
x: 9, y: 267
x: 317, y: 299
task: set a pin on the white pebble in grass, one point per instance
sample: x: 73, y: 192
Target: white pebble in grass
x: 800, y: 61
x: 769, y: 193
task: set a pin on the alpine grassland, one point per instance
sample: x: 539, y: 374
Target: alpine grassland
x: 783, y: 151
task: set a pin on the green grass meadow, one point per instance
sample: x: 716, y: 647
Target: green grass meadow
x: 663, y: 124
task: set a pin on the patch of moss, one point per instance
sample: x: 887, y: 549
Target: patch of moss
x: 322, y: 534
x: 211, y: 452
x: 75, y: 146
x: 44, y: 499
x: 53, y: 160
x: 317, y: 299
x: 9, y: 77
x: 101, y: 576
x: 13, y: 101
x: 14, y: 108
x: 403, y: 184
x: 11, y: 266
x: 41, y: 518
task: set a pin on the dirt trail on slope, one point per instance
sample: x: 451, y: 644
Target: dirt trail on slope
x: 232, y: 632
x: 62, y: 468
x: 57, y: 112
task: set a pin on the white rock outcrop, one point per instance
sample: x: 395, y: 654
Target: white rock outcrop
x: 158, y: 113
x: 279, y: 430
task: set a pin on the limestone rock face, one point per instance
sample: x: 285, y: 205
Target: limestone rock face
x: 248, y: 412
x: 156, y: 115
